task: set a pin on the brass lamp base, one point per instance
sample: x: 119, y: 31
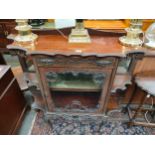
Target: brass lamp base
x: 26, y: 38
x: 130, y: 42
x: 25, y: 34
x: 79, y: 36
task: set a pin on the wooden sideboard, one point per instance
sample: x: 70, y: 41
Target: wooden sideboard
x: 12, y: 102
x: 76, y: 59
x: 75, y: 84
x: 103, y: 44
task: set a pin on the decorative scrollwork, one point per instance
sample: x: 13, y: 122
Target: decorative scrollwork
x: 51, y: 76
x: 15, y: 52
x: 45, y: 61
x: 73, y: 76
x: 76, y: 106
x: 74, y: 60
x: 99, y: 78
x: 103, y: 62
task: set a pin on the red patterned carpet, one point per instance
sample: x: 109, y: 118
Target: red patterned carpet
x: 59, y: 125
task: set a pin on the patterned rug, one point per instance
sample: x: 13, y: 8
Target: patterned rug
x: 115, y: 124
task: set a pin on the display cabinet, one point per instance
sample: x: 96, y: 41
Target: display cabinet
x: 74, y: 76
x: 83, y: 83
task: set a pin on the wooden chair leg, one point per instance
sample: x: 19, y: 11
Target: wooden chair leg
x: 125, y: 109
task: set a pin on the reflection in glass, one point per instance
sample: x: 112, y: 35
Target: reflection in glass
x: 150, y: 36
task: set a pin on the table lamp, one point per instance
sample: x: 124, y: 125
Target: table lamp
x: 24, y: 32
x: 150, y: 36
x: 133, y: 34
x: 79, y: 34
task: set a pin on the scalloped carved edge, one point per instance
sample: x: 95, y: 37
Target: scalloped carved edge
x: 83, y: 54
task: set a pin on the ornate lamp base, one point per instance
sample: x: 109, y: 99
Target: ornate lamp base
x: 24, y: 32
x: 26, y: 38
x: 130, y: 42
x: 79, y: 36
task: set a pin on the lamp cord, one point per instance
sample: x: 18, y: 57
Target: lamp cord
x: 62, y: 34
x: 146, y: 117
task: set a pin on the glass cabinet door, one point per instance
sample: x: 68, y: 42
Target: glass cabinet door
x: 75, y: 91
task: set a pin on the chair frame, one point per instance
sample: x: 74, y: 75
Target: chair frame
x: 132, y: 117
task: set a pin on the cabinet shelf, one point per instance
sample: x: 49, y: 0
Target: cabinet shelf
x: 80, y: 82
x: 78, y: 85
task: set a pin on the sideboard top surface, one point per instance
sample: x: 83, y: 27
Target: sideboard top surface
x: 100, y: 45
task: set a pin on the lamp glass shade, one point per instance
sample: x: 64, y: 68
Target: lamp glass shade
x: 150, y: 36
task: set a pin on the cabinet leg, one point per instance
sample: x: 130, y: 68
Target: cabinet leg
x: 125, y: 109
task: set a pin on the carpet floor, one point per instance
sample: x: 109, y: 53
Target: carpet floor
x: 114, y: 124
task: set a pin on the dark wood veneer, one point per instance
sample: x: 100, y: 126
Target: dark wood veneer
x: 12, y: 102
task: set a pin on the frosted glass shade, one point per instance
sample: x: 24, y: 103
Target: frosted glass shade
x: 150, y: 36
